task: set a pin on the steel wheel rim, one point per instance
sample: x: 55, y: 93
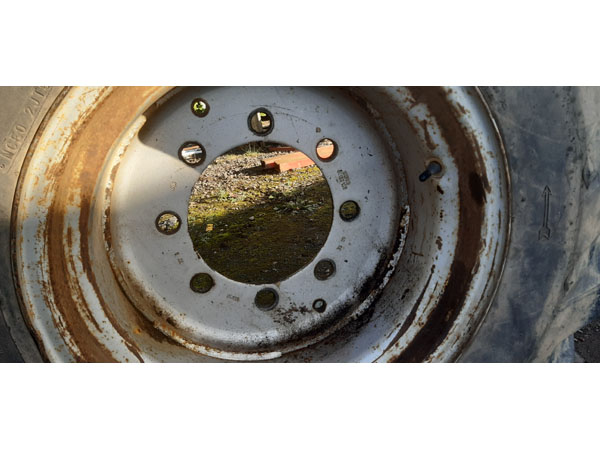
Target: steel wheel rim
x: 395, y: 319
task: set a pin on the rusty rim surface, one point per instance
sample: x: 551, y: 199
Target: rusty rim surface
x: 415, y: 272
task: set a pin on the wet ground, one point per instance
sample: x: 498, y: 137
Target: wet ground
x: 258, y: 226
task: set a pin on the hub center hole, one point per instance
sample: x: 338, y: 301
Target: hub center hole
x: 260, y: 213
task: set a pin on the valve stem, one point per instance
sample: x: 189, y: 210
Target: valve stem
x: 432, y: 169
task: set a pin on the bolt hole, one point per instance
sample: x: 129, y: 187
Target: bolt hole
x: 349, y: 210
x: 202, y: 283
x: 326, y: 150
x: 260, y: 122
x: 200, y: 108
x: 324, y: 269
x: 319, y: 305
x: 168, y: 223
x: 192, y: 153
x: 266, y: 299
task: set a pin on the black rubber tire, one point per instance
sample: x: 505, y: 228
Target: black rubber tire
x: 549, y: 286
x: 22, y: 110
x: 550, y: 282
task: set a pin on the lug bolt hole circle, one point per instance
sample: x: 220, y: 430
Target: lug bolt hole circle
x: 192, y: 153
x: 326, y: 150
x: 324, y: 269
x: 200, y: 107
x: 319, y: 305
x: 168, y: 223
x: 201, y: 283
x: 266, y: 299
x: 260, y: 122
x: 349, y: 210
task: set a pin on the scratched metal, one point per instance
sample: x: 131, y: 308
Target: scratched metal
x: 416, y: 271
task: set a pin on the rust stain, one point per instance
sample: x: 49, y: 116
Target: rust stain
x: 476, y: 188
x: 465, y: 150
x: 88, y: 314
x: 80, y: 170
x: 428, y: 140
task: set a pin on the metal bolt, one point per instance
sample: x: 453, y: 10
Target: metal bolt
x: 319, y: 305
x: 349, y: 210
x: 200, y: 108
x: 201, y: 283
x: 324, y: 269
x: 432, y: 169
x: 266, y: 299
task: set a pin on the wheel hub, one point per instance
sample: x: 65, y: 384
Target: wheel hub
x: 226, y: 319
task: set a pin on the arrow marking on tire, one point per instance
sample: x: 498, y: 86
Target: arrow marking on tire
x: 545, y: 231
